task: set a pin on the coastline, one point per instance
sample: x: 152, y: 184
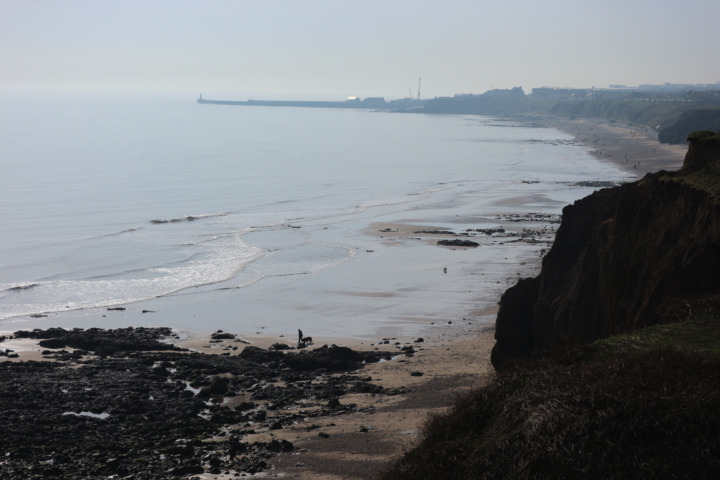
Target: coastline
x: 634, y: 148
x: 444, y: 364
x: 453, y: 366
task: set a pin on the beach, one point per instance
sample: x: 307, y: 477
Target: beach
x: 452, y: 365
x: 451, y: 357
x: 634, y: 148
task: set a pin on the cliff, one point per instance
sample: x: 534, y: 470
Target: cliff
x: 620, y: 257
x: 677, y: 130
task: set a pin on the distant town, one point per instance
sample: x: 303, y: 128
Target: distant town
x: 673, y: 110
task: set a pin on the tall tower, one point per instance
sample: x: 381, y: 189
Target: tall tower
x: 419, y: 79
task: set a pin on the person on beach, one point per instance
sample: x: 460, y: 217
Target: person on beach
x: 233, y: 447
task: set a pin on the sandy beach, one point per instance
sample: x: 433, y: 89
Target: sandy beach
x: 449, y: 366
x: 635, y: 148
x: 445, y: 363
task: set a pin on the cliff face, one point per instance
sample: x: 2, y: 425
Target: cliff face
x: 676, y: 131
x: 617, y: 255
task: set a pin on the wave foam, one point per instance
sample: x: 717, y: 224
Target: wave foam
x: 215, y: 266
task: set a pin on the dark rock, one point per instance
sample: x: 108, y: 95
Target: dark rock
x: 282, y: 446
x: 220, y: 335
x: 52, y: 343
x: 435, y: 232
x: 155, y: 427
x: 187, y: 470
x: 458, y: 243
x: 703, y: 152
x: 513, y: 328
x: 219, y: 385
x: 244, y: 406
x: 260, y: 355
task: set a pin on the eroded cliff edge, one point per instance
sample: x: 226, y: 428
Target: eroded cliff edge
x: 620, y: 257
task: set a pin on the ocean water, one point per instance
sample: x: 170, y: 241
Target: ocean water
x: 254, y: 219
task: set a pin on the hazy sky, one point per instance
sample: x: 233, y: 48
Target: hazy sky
x: 334, y: 49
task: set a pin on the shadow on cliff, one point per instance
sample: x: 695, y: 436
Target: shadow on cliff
x: 619, y: 256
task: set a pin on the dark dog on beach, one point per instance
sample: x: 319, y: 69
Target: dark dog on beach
x: 303, y: 341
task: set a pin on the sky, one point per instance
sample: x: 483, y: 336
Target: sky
x: 323, y: 49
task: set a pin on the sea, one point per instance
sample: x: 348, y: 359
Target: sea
x: 141, y: 209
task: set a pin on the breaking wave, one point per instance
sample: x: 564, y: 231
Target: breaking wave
x: 214, y: 266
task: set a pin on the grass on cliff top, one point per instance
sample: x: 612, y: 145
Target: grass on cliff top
x: 704, y: 136
x: 639, y: 405
x: 707, y: 181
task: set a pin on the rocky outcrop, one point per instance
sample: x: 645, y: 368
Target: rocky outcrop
x: 703, y: 153
x: 150, y: 413
x: 617, y: 255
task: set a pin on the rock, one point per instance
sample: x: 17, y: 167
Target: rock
x: 514, y: 328
x: 52, y: 343
x: 220, y: 335
x: 244, y: 406
x: 136, y: 417
x: 282, y: 446
x: 219, y: 385
x: 458, y: 243
x: 703, y: 152
x: 332, y: 358
x: 260, y: 355
x: 434, y: 232
x: 408, y: 350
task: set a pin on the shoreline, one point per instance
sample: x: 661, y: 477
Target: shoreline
x: 448, y: 361
x: 635, y: 148
x: 461, y: 363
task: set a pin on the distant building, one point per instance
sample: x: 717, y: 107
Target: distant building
x: 513, y: 92
x: 552, y: 92
x: 374, y: 102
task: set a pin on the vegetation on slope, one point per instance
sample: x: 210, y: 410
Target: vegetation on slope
x: 672, y: 117
x: 639, y: 405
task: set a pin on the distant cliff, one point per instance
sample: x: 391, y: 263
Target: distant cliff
x: 677, y: 130
x: 619, y: 256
